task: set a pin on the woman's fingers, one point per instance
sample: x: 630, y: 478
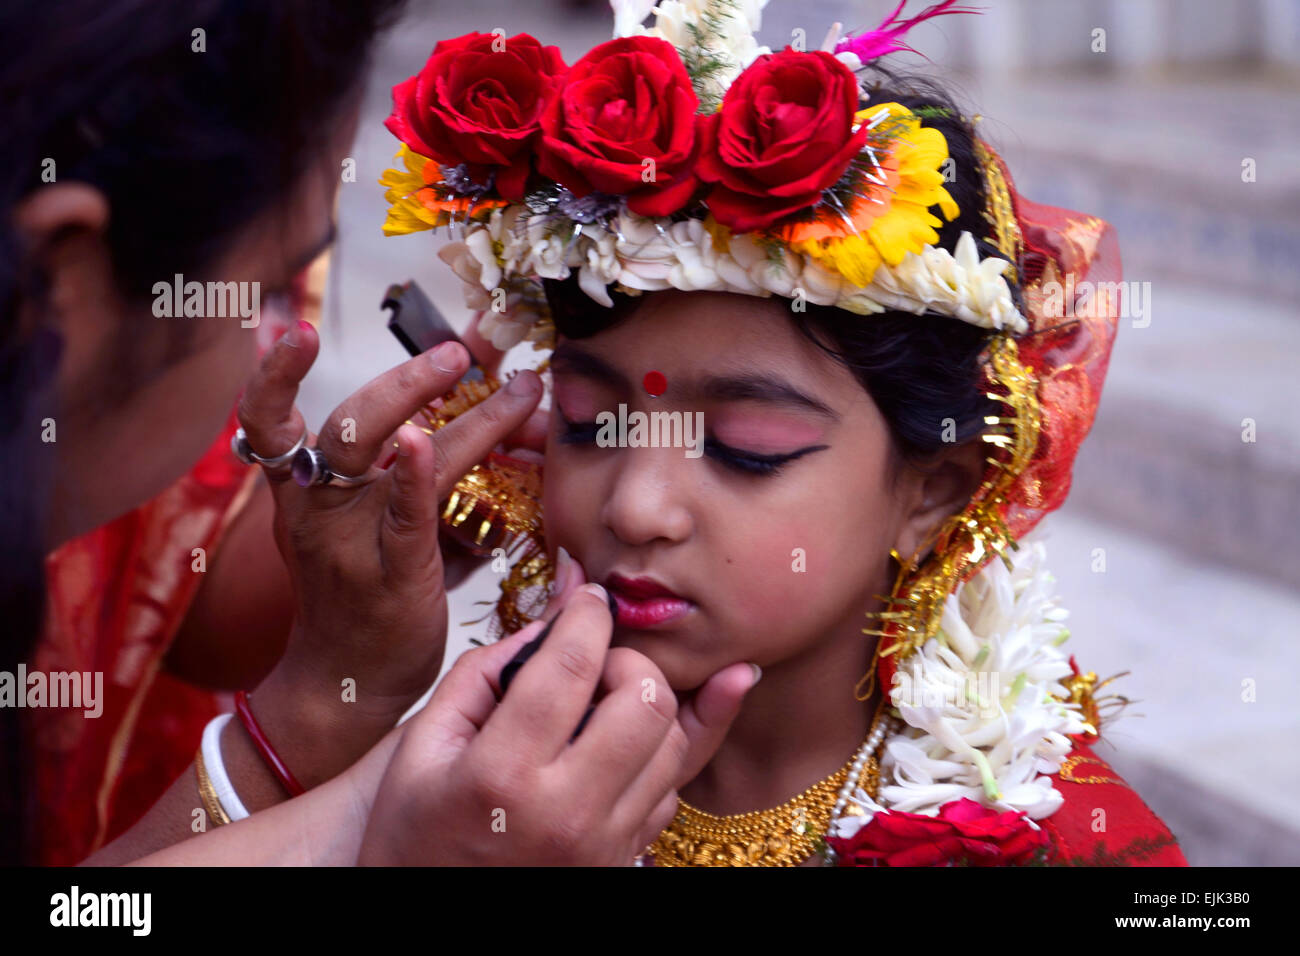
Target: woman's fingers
x: 466, y: 439
x: 471, y: 690
x: 682, y: 752
x: 707, y: 715
x: 409, y: 534
x: 266, y: 409
x: 656, y: 822
x: 531, y: 435
x: 548, y: 697
x: 626, y: 733
x: 355, y: 433
x: 569, y: 576
x: 467, y: 695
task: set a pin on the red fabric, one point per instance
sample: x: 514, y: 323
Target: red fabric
x: 1070, y: 353
x: 1103, y: 821
x: 1069, y: 271
x: 116, y: 599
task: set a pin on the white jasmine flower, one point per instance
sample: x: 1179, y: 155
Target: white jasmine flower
x: 629, y: 15
x: 469, y: 270
x: 959, y: 285
x: 979, y: 700
x: 734, y: 45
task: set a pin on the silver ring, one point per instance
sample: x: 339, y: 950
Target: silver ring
x: 311, y: 468
x: 244, y: 451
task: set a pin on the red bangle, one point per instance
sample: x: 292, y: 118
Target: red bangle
x: 272, y: 759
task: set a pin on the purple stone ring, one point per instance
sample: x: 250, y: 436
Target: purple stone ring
x: 311, y: 468
x: 244, y: 451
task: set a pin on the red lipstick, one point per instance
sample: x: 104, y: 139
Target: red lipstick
x: 644, y: 602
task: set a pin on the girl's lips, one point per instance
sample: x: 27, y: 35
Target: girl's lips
x: 638, y: 588
x: 640, y: 613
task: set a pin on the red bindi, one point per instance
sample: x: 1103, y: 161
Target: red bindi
x: 655, y: 383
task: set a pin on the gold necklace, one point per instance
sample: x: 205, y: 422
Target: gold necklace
x: 783, y: 836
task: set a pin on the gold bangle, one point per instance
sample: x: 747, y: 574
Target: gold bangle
x: 207, y: 793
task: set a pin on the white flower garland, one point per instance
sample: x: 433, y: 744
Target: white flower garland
x: 500, y: 258
x: 684, y: 23
x: 980, y: 702
x: 654, y: 254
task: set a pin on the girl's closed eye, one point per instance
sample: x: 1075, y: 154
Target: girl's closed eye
x: 739, y: 460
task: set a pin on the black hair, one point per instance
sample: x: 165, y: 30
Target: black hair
x: 192, y: 118
x: 919, y: 369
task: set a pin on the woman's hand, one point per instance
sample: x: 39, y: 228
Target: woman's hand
x: 365, y: 562
x: 527, y: 442
x: 480, y: 780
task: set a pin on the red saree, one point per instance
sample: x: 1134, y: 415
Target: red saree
x: 116, y: 598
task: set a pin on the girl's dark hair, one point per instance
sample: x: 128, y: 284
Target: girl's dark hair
x: 192, y: 118
x: 919, y: 369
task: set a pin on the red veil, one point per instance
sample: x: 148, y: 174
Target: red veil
x: 1049, y: 379
x: 1068, y: 265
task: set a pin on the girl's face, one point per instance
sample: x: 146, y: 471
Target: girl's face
x: 777, y: 538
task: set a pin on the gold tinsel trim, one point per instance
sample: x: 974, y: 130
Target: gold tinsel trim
x: 525, y: 590
x: 503, y: 495
x: 999, y: 211
x: 965, y: 541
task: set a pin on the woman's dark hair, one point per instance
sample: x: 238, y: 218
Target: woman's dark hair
x: 192, y: 118
x: 919, y: 369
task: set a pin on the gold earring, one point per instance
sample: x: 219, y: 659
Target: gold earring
x: 898, y: 610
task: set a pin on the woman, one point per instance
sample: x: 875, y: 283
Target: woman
x: 113, y: 396
x: 824, y: 270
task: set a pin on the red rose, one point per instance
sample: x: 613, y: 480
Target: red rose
x: 478, y: 105
x: 627, y: 101
x: 964, y: 832
x: 784, y: 135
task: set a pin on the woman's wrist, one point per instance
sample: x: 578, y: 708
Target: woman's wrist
x: 324, y: 827
x: 314, y: 723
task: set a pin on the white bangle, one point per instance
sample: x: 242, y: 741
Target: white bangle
x: 211, y: 749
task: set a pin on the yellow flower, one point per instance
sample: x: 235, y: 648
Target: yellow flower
x: 407, y: 214
x: 416, y: 203
x: 890, y: 218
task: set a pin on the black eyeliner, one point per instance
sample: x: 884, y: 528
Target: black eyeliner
x: 753, y: 463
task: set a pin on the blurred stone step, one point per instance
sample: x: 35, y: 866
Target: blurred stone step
x: 1163, y: 162
x: 1209, y: 738
x: 1197, y: 440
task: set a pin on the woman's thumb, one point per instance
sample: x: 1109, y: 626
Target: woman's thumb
x: 569, y: 576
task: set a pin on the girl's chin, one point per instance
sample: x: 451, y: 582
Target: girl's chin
x: 684, y: 665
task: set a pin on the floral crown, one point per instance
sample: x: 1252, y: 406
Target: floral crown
x: 687, y: 157
x: 683, y: 157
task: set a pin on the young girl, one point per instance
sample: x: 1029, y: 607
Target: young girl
x: 828, y: 267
